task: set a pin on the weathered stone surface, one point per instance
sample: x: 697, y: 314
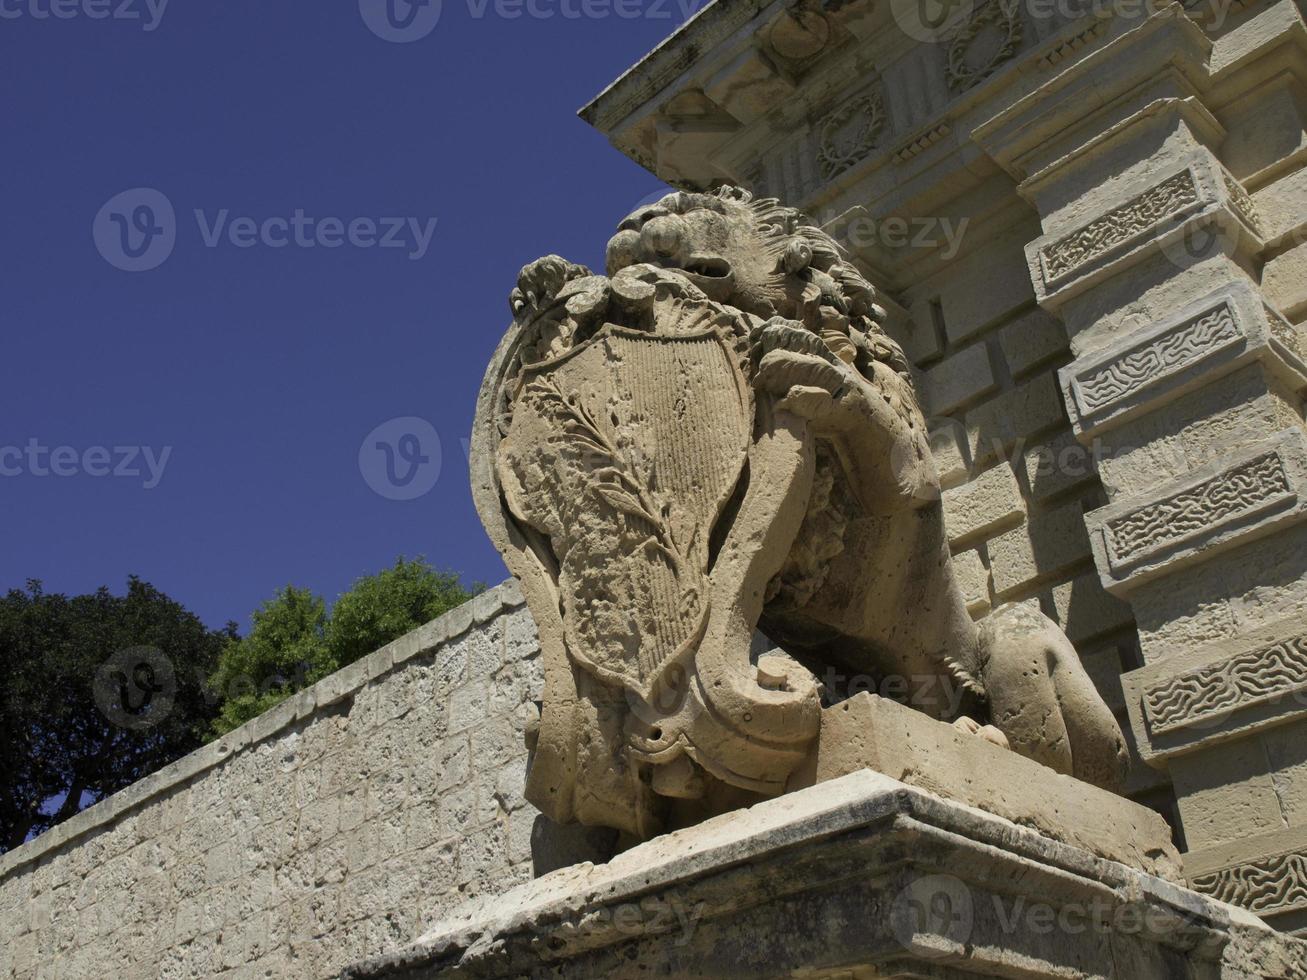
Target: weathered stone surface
x: 862, y: 875
x: 957, y: 380
x: 307, y: 838
x: 988, y: 505
x: 870, y: 732
x: 729, y: 381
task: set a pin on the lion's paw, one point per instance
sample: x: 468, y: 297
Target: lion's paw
x: 539, y: 283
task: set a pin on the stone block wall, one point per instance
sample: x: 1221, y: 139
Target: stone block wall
x: 325, y: 831
x: 1017, y: 482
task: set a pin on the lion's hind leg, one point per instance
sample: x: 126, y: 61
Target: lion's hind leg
x: 1042, y: 699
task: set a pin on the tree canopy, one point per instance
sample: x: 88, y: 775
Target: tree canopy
x: 294, y: 640
x: 100, y: 690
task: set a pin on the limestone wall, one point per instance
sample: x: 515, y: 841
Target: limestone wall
x: 1017, y: 481
x: 317, y: 834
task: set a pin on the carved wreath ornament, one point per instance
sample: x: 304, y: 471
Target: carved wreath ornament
x: 849, y: 132
x: 991, y: 37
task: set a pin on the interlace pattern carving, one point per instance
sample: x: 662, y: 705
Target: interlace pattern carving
x: 1228, y: 495
x: 1149, y: 362
x: 849, y: 133
x: 1118, y: 226
x: 1209, y: 693
x: 995, y: 32
x: 1269, y: 885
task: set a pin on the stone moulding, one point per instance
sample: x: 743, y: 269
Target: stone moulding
x: 325, y: 693
x: 861, y: 876
x: 1274, y: 884
x: 1236, y: 493
x: 1154, y: 359
x: 1218, y: 506
x: 1201, y: 200
x: 920, y: 142
x: 1208, y: 694
x: 1141, y: 216
x: 1152, y: 366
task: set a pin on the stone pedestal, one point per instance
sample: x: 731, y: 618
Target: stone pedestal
x: 860, y: 877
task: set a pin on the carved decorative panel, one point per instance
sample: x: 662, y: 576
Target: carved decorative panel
x: 1240, y: 200
x: 1283, y: 331
x: 1244, y: 489
x: 991, y: 37
x: 1270, y: 885
x: 849, y: 133
x: 1155, y: 359
x: 1131, y: 221
x: 1209, y: 693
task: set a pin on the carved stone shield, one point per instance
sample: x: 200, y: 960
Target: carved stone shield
x: 627, y: 449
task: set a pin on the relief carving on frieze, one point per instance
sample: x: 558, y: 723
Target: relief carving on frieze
x: 1273, y: 884
x: 1156, y: 359
x: 991, y: 36
x: 1242, y: 490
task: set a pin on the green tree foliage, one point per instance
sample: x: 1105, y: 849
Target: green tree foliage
x: 99, y: 690
x: 294, y: 641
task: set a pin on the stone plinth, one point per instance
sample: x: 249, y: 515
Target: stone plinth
x: 862, y: 876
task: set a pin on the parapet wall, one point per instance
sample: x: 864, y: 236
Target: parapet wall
x: 324, y: 831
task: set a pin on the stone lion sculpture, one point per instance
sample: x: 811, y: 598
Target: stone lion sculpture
x: 717, y: 437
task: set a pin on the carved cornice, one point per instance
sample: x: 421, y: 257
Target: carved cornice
x: 920, y: 142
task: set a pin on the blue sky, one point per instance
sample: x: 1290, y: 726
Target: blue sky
x: 200, y: 424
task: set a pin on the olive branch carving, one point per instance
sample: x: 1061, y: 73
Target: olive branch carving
x: 618, y: 482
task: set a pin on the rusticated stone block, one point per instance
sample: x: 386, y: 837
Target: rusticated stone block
x: 957, y: 380
x: 1031, y: 340
x: 1009, y: 421
x: 1050, y: 543
x: 984, y: 507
